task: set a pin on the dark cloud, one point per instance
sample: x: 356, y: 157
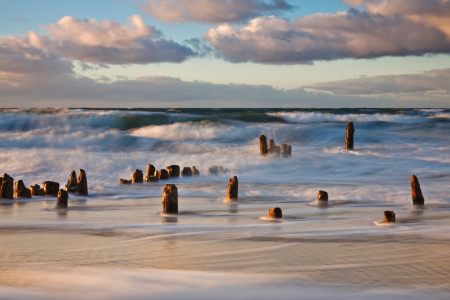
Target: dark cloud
x: 435, y: 80
x: 211, y: 11
x: 352, y: 34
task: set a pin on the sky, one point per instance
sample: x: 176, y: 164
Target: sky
x: 225, y: 53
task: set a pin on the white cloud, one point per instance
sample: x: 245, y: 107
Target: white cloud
x: 104, y: 42
x: 431, y: 12
x: 211, y: 11
x: 18, y: 64
x: 325, y: 36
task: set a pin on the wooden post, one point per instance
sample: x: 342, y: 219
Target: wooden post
x: 51, y: 188
x: 63, y: 197
x: 152, y: 176
x: 82, y: 183
x: 163, y: 174
x: 349, y: 136
x: 6, y: 187
x: 195, y: 172
x: 186, y: 171
x: 263, y: 145
x: 275, y: 213
x: 285, y: 150
x: 137, y: 176
x: 36, y: 190
x: 21, y: 191
x: 174, y: 170
x: 389, y: 216
x: 150, y: 171
x: 416, y: 192
x: 72, y: 184
x: 323, y: 196
x: 170, y: 199
x: 233, y: 188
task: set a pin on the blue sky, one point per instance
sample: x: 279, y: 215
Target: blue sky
x: 321, y: 48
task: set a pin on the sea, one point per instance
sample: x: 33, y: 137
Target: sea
x: 116, y: 243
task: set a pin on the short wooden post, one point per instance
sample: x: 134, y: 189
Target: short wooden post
x: 137, y: 176
x: 63, y: 199
x: 389, y: 216
x: 51, y: 188
x: 174, y: 170
x: 349, y: 136
x: 233, y: 188
x: 170, y: 199
x: 323, y: 196
x: 275, y: 213
x: 82, y: 183
x: 416, y: 192
x: 263, y: 145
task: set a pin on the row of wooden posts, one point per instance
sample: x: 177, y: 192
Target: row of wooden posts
x: 170, y: 193
x: 285, y: 150
x: 50, y: 188
x: 155, y: 175
x: 169, y: 198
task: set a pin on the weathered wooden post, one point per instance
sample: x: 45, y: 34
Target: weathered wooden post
x: 174, y: 170
x: 416, y: 192
x: 82, y: 183
x: 6, y: 187
x: 186, y: 171
x: 275, y: 213
x: 163, y: 174
x: 195, y: 172
x: 389, y: 216
x: 152, y: 176
x: 233, y: 188
x: 170, y: 199
x: 323, y: 196
x: 137, y: 176
x: 349, y: 136
x: 62, y: 201
x: 51, y: 188
x: 263, y: 145
x: 150, y: 171
x: 72, y: 184
x: 285, y: 150
x: 21, y: 191
x: 36, y: 190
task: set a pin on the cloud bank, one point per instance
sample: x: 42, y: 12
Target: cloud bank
x: 431, y: 81
x: 387, y: 28
x: 211, y: 11
x: 104, y: 41
x: 66, y: 90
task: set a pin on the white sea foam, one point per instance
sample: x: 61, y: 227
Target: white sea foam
x: 189, y: 131
x: 317, y: 117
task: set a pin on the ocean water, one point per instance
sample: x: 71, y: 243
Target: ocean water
x: 115, y: 244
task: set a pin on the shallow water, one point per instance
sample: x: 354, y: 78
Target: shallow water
x: 117, y: 238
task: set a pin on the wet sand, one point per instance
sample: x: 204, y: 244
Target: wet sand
x: 337, y: 246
